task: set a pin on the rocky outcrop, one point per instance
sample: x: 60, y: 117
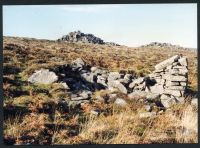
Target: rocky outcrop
x: 112, y: 44
x: 78, y: 36
x: 164, y: 45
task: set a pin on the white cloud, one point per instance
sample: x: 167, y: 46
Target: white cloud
x: 88, y: 8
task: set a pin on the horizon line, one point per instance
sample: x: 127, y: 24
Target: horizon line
x: 103, y: 40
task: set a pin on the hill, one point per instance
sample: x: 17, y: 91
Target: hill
x: 71, y: 109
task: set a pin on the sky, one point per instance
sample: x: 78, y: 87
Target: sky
x: 126, y: 24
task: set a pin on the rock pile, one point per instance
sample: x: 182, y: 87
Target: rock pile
x: 78, y: 36
x: 164, y: 87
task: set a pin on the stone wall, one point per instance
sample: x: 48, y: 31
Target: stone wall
x: 171, y: 77
x: 168, y: 82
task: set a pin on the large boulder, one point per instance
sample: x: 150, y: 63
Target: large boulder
x: 43, y: 76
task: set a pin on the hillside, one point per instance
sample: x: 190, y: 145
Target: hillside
x: 50, y: 113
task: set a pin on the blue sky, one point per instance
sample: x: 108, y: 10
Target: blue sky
x: 126, y: 24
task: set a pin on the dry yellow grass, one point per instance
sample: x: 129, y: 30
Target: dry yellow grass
x: 42, y: 125
x: 128, y: 128
x: 39, y: 54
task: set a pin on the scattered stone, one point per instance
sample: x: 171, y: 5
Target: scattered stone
x: 95, y: 112
x: 101, y: 80
x: 140, y: 87
x: 160, y: 112
x: 89, y: 77
x: 65, y: 85
x: 136, y: 82
x: 101, y: 72
x: 112, y: 96
x: 99, y: 98
x: 194, y: 102
x: 86, y: 94
x: 43, y: 76
x: 114, y: 76
x: 167, y: 101
x: 152, y: 96
x: 118, y: 85
x: 120, y: 102
x: 77, y: 64
x: 77, y: 98
x: 148, y: 108
x: 137, y: 94
x: 74, y: 95
x: 147, y: 114
x: 127, y: 79
x: 93, y: 69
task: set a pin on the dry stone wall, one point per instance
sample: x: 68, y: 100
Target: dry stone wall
x: 167, y: 82
x: 171, y: 78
